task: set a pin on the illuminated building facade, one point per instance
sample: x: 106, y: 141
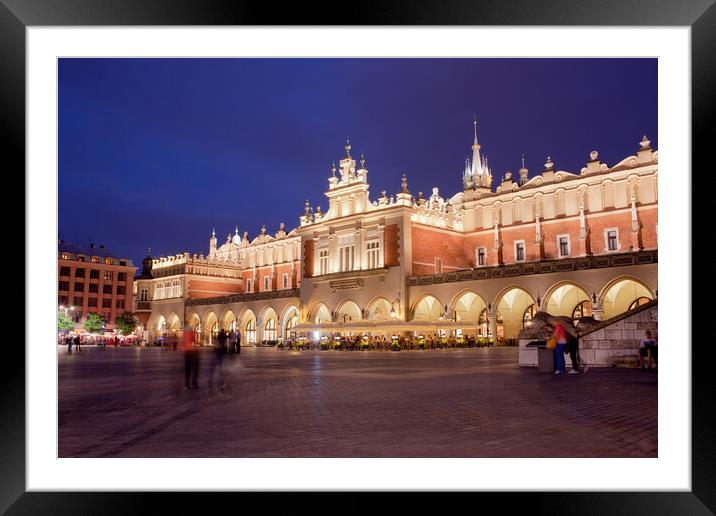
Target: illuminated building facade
x: 480, y: 262
x: 91, y: 279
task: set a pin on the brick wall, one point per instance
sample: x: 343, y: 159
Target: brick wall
x: 199, y: 289
x: 308, y: 257
x: 429, y: 244
x: 391, y: 257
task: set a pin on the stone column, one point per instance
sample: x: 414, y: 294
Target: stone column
x: 359, y: 253
x: 492, y: 325
x: 333, y: 258
x: 381, y: 244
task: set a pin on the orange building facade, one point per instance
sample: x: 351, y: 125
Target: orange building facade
x: 92, y: 280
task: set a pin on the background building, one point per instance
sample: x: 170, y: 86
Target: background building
x: 92, y: 279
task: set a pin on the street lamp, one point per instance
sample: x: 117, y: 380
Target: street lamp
x: 393, y: 314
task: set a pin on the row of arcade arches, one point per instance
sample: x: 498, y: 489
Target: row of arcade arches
x: 510, y: 309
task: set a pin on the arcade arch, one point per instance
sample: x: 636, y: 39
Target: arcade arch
x: 512, y: 306
x: 620, y: 295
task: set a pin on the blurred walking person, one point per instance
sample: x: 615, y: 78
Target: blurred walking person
x: 191, y: 359
x: 219, y: 353
x: 69, y: 341
x: 78, y: 341
x: 232, y: 341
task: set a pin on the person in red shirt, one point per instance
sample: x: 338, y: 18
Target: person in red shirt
x: 191, y: 359
x: 560, y: 335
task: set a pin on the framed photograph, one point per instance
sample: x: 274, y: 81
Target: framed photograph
x: 238, y: 310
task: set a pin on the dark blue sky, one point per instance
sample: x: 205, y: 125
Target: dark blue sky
x: 156, y: 152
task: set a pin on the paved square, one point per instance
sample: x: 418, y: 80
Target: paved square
x: 130, y: 402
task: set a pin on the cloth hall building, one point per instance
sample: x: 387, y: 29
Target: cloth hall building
x: 481, y: 262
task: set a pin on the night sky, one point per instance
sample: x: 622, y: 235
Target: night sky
x: 156, y: 152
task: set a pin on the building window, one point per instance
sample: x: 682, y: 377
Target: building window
x: 106, y: 289
x: 563, y: 245
x: 251, y: 332
x: 373, y: 250
x: 80, y: 258
x: 583, y: 309
x: 95, y: 259
x: 520, y: 251
x: 284, y: 281
x: 346, y: 256
x: 61, y: 300
x: 143, y: 295
x: 121, y: 291
x: 121, y: 276
x: 638, y: 302
x: 108, y: 261
x: 120, y: 303
x: 93, y: 288
x: 92, y: 302
x: 94, y: 274
x: 481, y: 259
x: 107, y: 318
x: 64, y: 271
x: 64, y: 286
x: 79, y: 273
x: 248, y: 285
x: 528, y: 315
x: 266, y: 282
x: 108, y: 275
x: 270, y: 330
x: 438, y: 265
x: 66, y: 256
x: 79, y: 287
x: 123, y: 262
x: 612, y: 239
x: 106, y: 303
x: 323, y: 262
x: 77, y: 301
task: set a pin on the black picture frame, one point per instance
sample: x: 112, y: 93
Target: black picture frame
x: 17, y: 15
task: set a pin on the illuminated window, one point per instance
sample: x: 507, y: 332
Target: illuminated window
x: 95, y: 259
x: 323, y: 261
x: 270, y: 330
x: 638, y: 302
x: 373, y: 250
x: 108, y: 275
x: 251, y: 331
x: 108, y: 261
x: 80, y: 258
x: 291, y: 327
x: 66, y: 256
x: 583, y: 309
x: 529, y: 314
x: 346, y: 257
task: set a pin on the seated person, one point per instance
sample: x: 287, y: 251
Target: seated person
x: 647, y: 349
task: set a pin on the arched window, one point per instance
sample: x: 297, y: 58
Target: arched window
x: 251, y: 332
x: 529, y: 314
x: 583, y: 309
x: 638, y: 302
x: 291, y: 327
x: 270, y: 329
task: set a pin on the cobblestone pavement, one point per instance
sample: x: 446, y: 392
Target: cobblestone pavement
x: 439, y: 403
